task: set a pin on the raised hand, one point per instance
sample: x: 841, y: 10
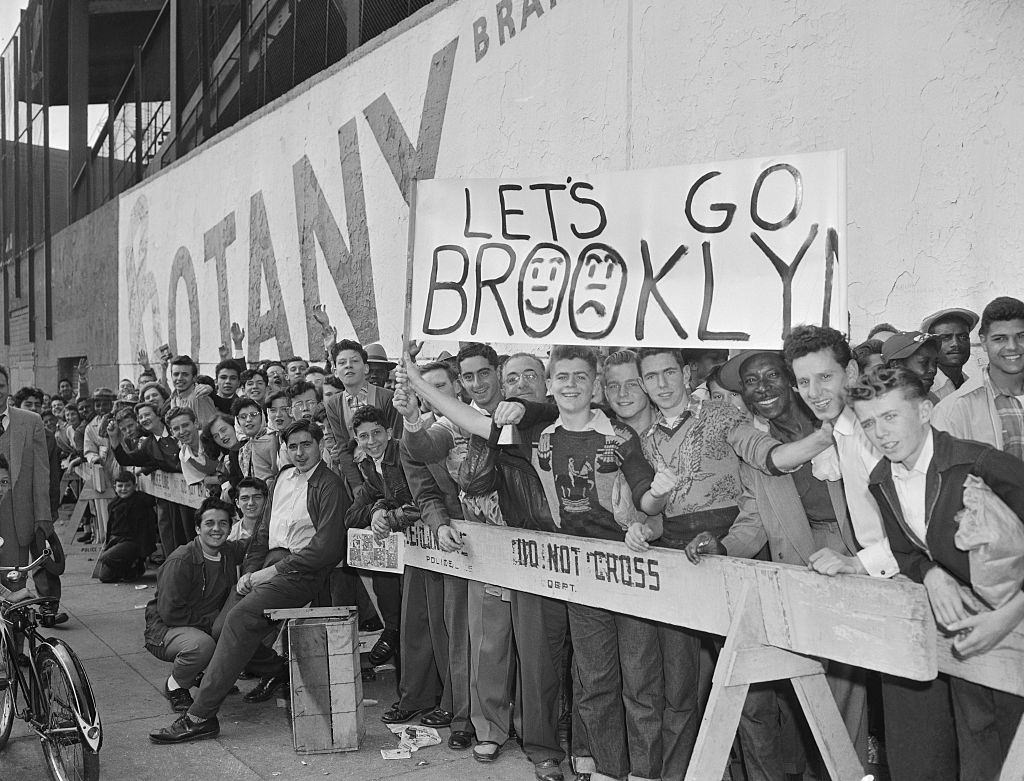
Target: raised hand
x: 237, y: 334
x: 83, y: 368
x: 144, y: 359
x: 319, y: 313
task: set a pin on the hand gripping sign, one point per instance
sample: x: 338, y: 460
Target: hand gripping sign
x: 721, y: 255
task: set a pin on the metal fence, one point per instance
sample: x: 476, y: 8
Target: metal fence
x: 26, y: 212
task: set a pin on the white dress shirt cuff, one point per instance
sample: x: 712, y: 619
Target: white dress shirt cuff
x: 878, y: 560
x: 412, y: 425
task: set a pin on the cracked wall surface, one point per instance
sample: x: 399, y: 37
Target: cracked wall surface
x: 927, y: 97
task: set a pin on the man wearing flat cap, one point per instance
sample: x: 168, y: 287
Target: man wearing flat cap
x: 916, y: 351
x: 952, y: 331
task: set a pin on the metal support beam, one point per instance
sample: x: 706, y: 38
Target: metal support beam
x: 78, y: 103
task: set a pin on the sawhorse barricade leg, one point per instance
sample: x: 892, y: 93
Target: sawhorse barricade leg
x: 746, y: 658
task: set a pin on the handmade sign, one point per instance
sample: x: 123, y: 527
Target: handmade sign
x: 657, y: 257
x: 365, y: 551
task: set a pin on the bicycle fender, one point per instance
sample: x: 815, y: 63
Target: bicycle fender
x: 86, y: 714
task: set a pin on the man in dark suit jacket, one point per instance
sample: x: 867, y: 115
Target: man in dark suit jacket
x: 46, y: 578
x: 26, y: 509
x: 312, y: 545
x: 919, y: 487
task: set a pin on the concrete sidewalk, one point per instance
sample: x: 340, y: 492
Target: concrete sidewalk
x: 106, y: 630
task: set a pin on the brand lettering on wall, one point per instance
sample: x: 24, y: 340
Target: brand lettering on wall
x: 319, y: 237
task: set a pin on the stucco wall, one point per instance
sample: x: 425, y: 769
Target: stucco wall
x: 926, y: 97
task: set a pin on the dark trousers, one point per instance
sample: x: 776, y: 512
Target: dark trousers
x: 426, y: 681
x: 174, y: 525
x: 680, y: 651
x: 539, y: 626
x: 456, y: 622
x: 347, y: 589
x: 47, y: 583
x: 920, y: 737
x: 117, y: 561
x: 986, y: 722
x: 618, y: 694
x: 241, y: 634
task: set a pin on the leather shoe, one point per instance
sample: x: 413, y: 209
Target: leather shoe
x: 180, y: 699
x: 384, y: 648
x: 486, y: 751
x: 372, y: 624
x: 51, y: 619
x: 268, y: 686
x: 437, y: 718
x: 185, y: 730
x: 460, y: 740
x: 396, y: 715
x: 548, y: 770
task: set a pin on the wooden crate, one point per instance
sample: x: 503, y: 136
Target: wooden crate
x: 326, y: 685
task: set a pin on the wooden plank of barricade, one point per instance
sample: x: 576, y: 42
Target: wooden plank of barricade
x: 1001, y: 668
x: 838, y: 623
x: 745, y: 659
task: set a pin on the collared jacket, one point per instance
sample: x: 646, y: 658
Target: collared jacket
x: 970, y: 412
x: 433, y: 489
x: 338, y: 438
x: 179, y: 589
x: 771, y: 512
x: 327, y: 503
x: 952, y: 460
x: 392, y: 488
x: 23, y: 442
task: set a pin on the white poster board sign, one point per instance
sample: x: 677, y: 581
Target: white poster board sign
x: 723, y: 255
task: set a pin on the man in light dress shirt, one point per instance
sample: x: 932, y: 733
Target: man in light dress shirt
x: 920, y: 741
x: 303, y: 539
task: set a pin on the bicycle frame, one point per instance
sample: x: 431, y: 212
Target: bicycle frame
x: 35, y: 710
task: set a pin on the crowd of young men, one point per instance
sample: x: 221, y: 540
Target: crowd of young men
x: 846, y: 460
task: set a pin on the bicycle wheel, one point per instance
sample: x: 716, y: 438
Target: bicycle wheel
x: 8, y: 673
x: 66, y: 757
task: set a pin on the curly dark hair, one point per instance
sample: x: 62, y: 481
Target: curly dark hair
x: 999, y: 310
x: 806, y: 339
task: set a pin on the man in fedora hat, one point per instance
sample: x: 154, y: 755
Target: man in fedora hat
x: 952, y: 331
x: 378, y: 364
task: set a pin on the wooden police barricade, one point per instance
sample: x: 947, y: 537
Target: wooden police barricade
x: 778, y: 621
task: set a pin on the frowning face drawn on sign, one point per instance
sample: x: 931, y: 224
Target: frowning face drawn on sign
x: 542, y: 283
x: 598, y: 285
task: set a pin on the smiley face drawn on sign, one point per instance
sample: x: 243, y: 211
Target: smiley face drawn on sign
x: 542, y: 283
x: 598, y: 285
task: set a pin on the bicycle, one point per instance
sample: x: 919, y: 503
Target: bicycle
x: 53, y: 695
